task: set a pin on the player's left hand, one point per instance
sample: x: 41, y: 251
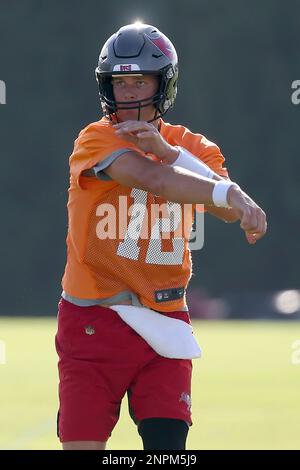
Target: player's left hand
x: 147, y: 138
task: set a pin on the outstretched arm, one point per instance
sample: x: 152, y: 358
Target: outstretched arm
x: 148, y: 139
x: 183, y: 186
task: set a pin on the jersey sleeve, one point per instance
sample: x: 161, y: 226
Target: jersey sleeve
x: 206, y: 151
x: 212, y: 156
x: 209, y: 153
x: 95, y: 149
x: 197, y: 144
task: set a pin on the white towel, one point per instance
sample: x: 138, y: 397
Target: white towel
x: 169, y: 337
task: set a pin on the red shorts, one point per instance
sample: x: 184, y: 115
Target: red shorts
x: 100, y: 359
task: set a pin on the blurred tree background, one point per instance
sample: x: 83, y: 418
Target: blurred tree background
x: 237, y: 61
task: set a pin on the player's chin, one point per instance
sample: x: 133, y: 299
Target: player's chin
x: 128, y: 114
x: 134, y: 114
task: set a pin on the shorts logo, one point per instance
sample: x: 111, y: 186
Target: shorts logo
x: 187, y: 399
x: 89, y: 330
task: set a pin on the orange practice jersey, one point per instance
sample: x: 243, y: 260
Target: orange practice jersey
x: 124, y: 239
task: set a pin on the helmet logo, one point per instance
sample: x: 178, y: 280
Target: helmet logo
x: 166, y: 47
x: 126, y: 68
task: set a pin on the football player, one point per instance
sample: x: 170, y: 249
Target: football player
x: 123, y: 324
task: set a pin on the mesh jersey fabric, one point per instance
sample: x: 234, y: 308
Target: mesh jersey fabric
x: 147, y: 250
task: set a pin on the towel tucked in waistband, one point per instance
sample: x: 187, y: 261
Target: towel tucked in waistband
x: 169, y: 337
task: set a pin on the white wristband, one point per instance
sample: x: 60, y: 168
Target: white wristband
x: 219, y: 195
x: 188, y: 161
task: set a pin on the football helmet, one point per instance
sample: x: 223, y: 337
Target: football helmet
x: 133, y: 50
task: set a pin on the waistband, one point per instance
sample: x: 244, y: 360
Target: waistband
x: 114, y: 300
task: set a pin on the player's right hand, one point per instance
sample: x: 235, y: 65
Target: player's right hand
x: 252, y: 217
x: 147, y: 138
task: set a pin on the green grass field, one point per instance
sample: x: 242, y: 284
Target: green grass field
x: 246, y: 391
